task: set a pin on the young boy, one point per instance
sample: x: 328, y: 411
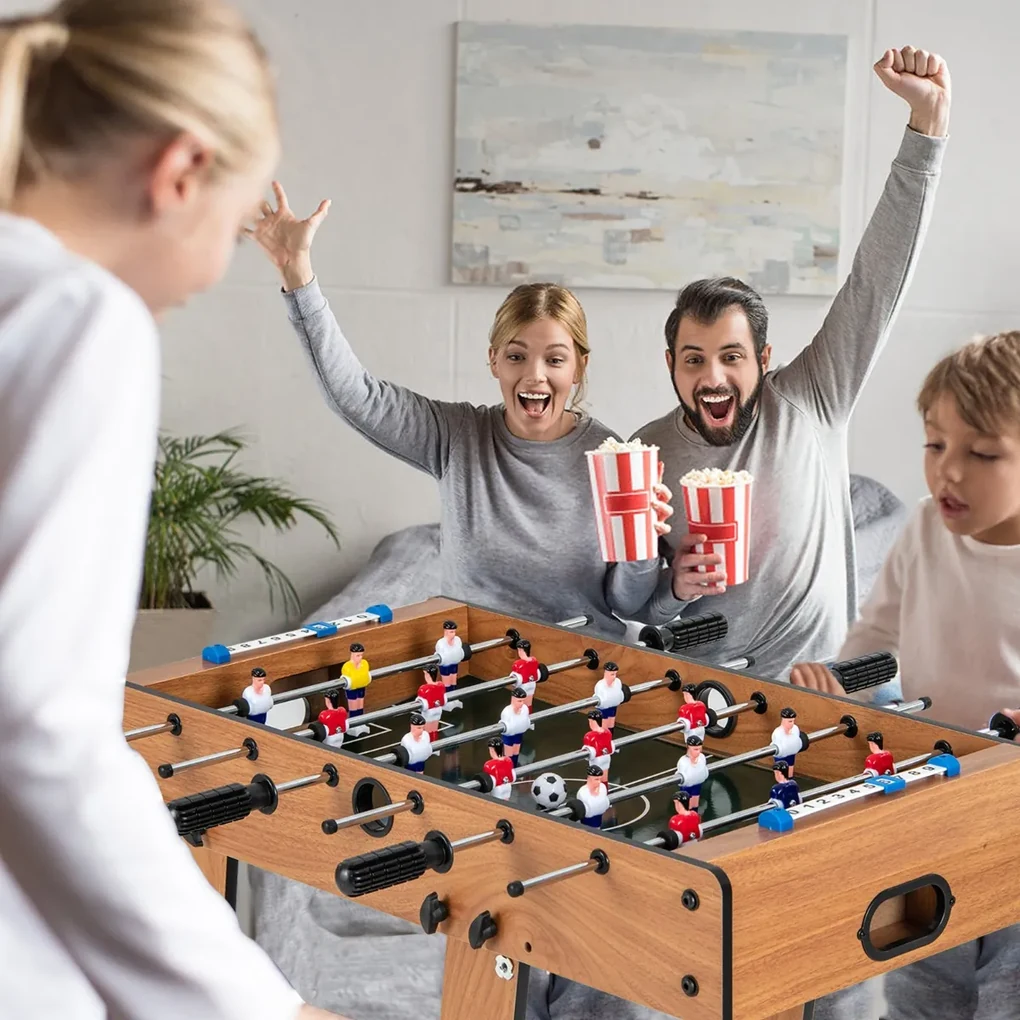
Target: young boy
x: 946, y: 605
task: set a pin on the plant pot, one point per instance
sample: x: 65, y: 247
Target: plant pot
x: 169, y: 635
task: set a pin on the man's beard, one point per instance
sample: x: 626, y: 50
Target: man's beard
x: 741, y: 420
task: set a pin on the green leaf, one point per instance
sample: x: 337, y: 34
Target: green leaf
x: 199, y: 497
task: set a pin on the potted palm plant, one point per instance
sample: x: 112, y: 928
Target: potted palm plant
x: 199, y: 497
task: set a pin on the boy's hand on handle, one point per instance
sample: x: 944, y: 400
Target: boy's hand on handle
x: 286, y: 239
x: 1013, y: 713
x: 815, y: 677
x: 688, y: 583
x: 922, y: 79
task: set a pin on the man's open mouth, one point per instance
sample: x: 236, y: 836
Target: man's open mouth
x: 716, y: 409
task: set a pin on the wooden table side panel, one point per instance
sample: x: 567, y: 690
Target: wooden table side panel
x: 800, y: 897
x: 300, y: 656
x: 905, y: 735
x: 290, y: 667
x: 471, y: 987
x: 640, y: 896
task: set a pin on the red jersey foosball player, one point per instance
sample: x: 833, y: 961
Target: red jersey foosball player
x: 879, y: 762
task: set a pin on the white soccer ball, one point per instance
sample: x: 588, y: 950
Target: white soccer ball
x: 549, y: 791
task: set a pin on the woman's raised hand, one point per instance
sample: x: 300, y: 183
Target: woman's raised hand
x: 286, y: 239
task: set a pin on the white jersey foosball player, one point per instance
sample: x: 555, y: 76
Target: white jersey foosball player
x: 609, y: 690
x: 417, y: 743
x: 692, y: 768
x: 516, y: 720
x: 786, y: 738
x: 258, y: 695
x: 594, y: 795
x: 450, y: 652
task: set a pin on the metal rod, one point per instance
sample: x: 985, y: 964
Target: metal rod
x: 626, y: 792
x: 574, y: 622
x: 741, y: 663
x: 296, y: 784
x: 921, y: 705
x: 631, y: 738
x: 557, y: 876
x: 484, y: 837
x: 372, y: 815
x: 818, y: 791
x: 397, y: 667
x: 465, y: 692
x: 150, y: 731
x: 172, y: 769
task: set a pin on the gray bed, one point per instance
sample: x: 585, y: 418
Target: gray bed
x: 338, y: 953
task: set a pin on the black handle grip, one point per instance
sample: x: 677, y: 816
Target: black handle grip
x: 393, y: 865
x: 1001, y: 724
x: 222, y: 805
x: 686, y: 632
x: 865, y: 671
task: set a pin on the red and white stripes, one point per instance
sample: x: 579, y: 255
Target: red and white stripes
x: 723, y: 514
x: 621, y: 483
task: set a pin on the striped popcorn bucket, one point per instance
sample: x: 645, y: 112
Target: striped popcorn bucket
x: 621, y: 486
x: 723, y: 514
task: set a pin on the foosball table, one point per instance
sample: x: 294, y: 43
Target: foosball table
x: 685, y: 836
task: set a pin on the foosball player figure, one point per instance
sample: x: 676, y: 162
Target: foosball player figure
x: 785, y: 793
x: 598, y: 742
x: 258, y: 695
x: 516, y: 720
x: 879, y: 762
x: 525, y: 669
x: 432, y: 698
x: 692, y: 768
x: 786, y: 738
x: 500, y: 769
x: 417, y: 743
x: 450, y: 650
x: 594, y: 795
x: 686, y: 822
x: 357, y: 675
x: 334, y: 718
x: 693, y: 711
x: 610, y: 692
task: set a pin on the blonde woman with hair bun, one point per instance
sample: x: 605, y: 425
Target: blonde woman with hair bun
x: 136, y: 138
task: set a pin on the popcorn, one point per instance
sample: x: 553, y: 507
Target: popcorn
x: 622, y: 477
x: 716, y: 476
x: 718, y: 506
x: 611, y: 445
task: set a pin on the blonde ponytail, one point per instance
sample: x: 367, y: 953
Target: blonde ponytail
x: 94, y: 73
x: 20, y: 45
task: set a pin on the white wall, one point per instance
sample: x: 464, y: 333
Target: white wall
x: 367, y: 91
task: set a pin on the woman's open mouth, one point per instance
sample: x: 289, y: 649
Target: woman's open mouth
x: 535, y: 404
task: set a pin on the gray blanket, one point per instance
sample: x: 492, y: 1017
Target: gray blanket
x: 367, y: 965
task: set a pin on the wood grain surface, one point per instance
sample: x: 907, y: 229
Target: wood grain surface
x: 548, y: 927
x: 472, y: 989
x: 820, y: 878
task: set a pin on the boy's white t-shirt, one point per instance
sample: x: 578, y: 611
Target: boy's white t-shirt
x: 103, y: 911
x: 949, y: 608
